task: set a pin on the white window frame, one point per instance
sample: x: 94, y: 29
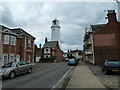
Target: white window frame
x: 13, y: 40
x: 4, y: 58
x: 29, y: 57
x: 29, y: 43
x: 17, y: 57
x: 13, y: 57
x: 6, y: 39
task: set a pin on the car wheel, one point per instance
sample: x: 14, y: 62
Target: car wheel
x: 107, y: 72
x: 29, y: 70
x: 12, y: 75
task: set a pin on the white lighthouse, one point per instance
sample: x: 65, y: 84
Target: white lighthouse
x: 55, y: 31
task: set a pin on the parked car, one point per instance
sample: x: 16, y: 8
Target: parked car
x: 15, y: 68
x: 66, y: 59
x: 72, y: 61
x: 109, y: 66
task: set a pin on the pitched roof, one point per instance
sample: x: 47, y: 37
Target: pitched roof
x: 97, y: 27
x: 7, y: 30
x: 50, y: 44
x: 20, y: 31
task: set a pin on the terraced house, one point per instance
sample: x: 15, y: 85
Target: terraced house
x: 102, y: 41
x: 17, y: 45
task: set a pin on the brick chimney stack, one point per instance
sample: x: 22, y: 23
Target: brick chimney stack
x: 46, y: 40
x: 111, y: 16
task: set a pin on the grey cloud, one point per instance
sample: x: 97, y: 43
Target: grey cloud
x: 36, y: 19
x: 7, y: 17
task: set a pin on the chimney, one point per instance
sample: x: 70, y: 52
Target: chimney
x: 111, y: 16
x: 40, y: 46
x: 46, y: 40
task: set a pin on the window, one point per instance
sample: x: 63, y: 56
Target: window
x: 53, y: 53
x: 46, y: 56
x: 6, y: 39
x: 29, y: 43
x: 13, y: 40
x: 5, y: 59
x: 54, y: 22
x: 46, y: 50
x: 29, y: 57
x: 18, y: 57
x: 11, y: 57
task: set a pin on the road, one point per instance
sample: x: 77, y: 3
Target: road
x: 46, y: 77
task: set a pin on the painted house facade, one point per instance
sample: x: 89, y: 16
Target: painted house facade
x: 17, y: 45
x: 51, y: 49
x: 104, y: 41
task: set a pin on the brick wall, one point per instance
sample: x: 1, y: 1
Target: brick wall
x: 106, y: 43
x: 59, y: 55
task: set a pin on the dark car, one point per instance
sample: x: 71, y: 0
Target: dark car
x: 15, y: 68
x: 109, y: 66
x: 72, y: 62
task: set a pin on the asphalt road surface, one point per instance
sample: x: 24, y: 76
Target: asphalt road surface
x: 46, y: 77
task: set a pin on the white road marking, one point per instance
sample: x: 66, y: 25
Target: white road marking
x: 62, y: 78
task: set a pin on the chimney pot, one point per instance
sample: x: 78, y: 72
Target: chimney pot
x: 111, y: 16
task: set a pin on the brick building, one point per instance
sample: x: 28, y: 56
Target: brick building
x: 51, y: 49
x: 104, y: 40
x: 38, y: 53
x: 17, y: 45
x: 88, y: 54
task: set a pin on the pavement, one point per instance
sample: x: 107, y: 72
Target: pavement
x: 84, y: 78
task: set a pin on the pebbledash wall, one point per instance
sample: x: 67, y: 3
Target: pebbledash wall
x: 17, y: 45
x: 107, y: 40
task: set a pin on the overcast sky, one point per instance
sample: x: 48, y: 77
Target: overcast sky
x: 74, y: 17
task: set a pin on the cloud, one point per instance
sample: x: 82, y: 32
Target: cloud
x: 74, y: 17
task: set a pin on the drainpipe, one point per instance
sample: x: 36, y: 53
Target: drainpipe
x: 1, y: 47
x: 25, y: 49
x: 1, y: 55
x: 33, y: 53
x: 93, y: 49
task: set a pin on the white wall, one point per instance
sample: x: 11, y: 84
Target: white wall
x: 47, y: 51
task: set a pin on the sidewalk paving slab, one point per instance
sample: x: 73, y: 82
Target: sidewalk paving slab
x: 84, y: 78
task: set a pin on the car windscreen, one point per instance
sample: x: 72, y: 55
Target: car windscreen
x: 72, y: 60
x: 113, y: 62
